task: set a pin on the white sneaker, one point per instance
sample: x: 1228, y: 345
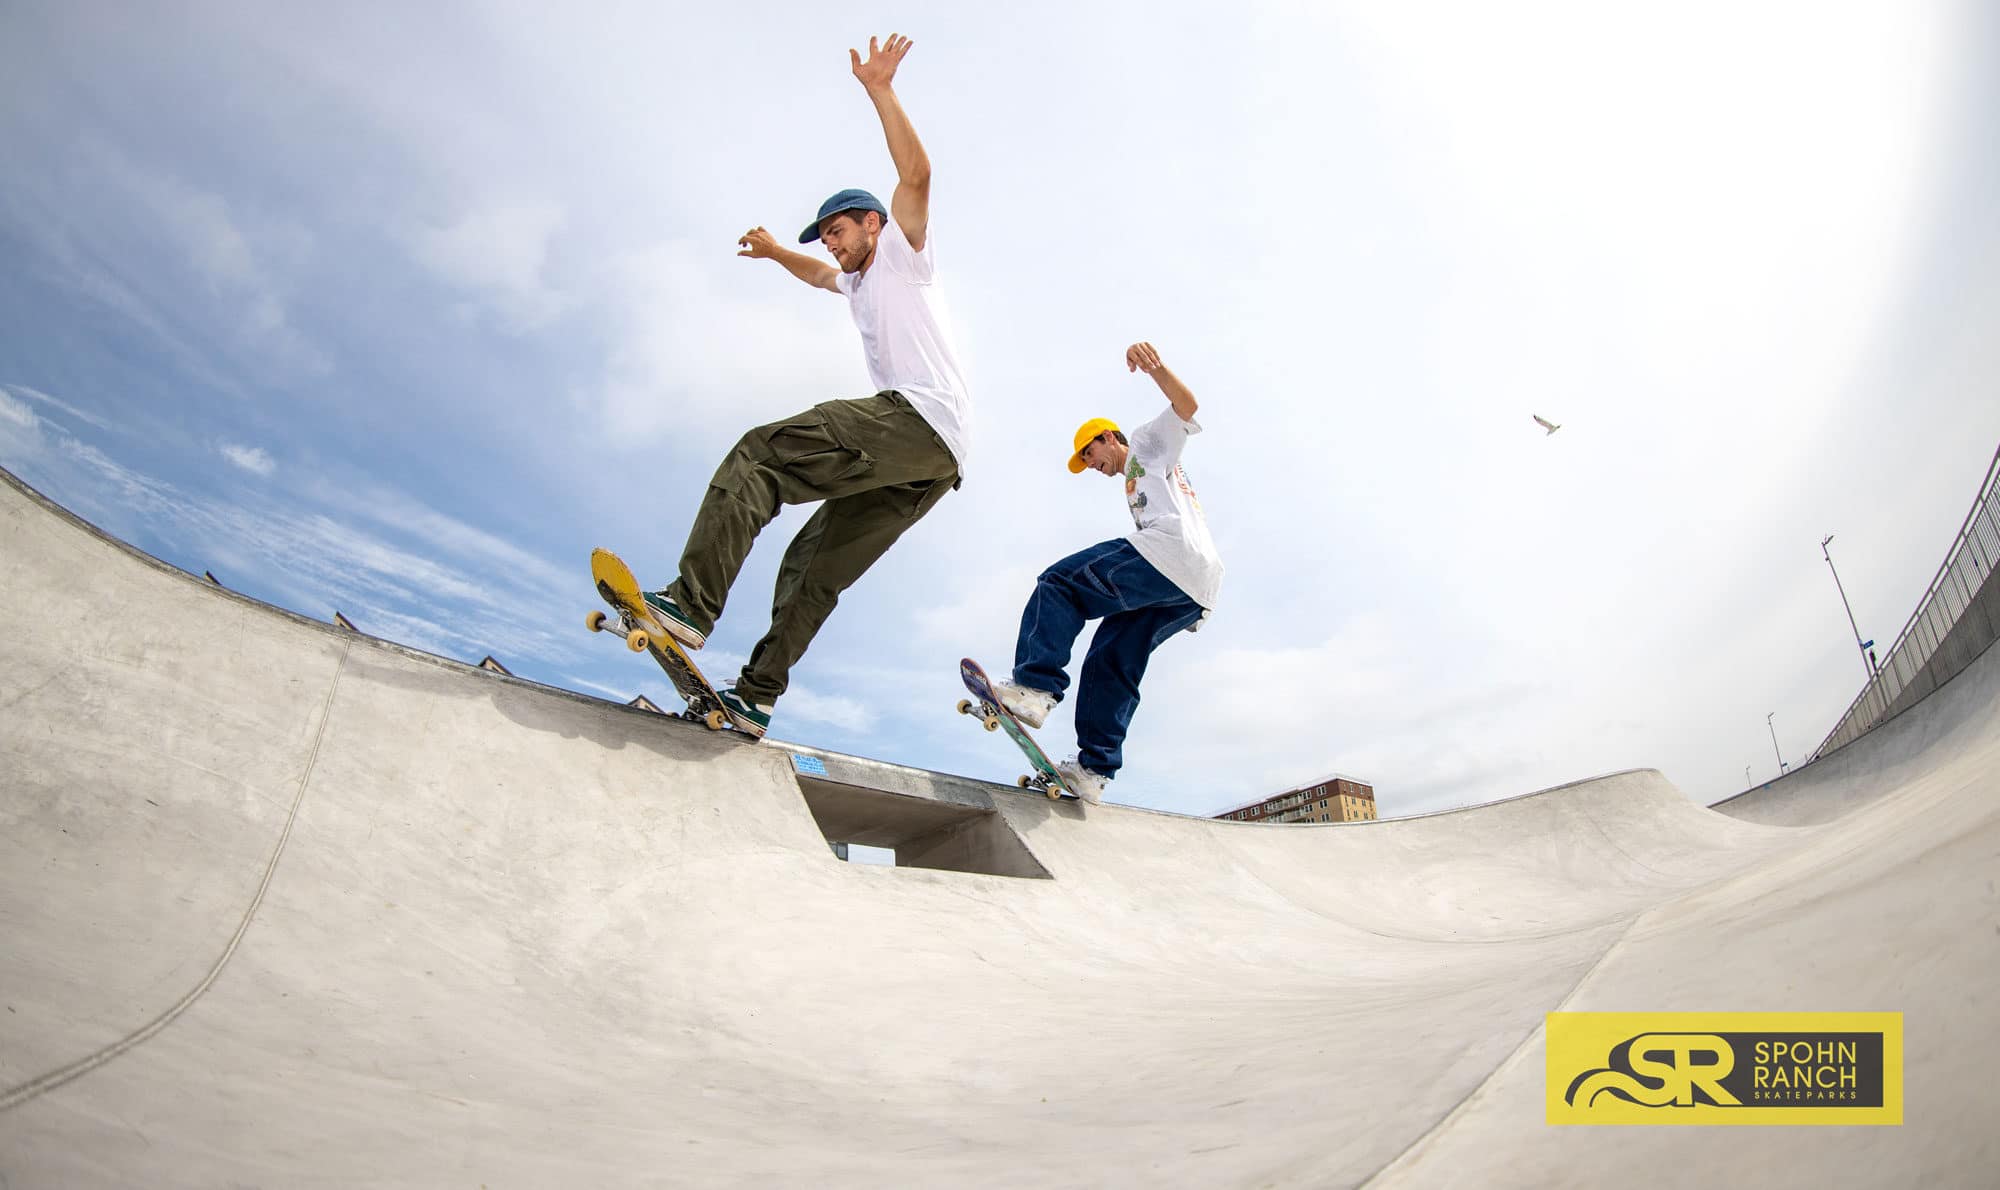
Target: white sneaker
x: 1081, y: 781
x: 1025, y: 703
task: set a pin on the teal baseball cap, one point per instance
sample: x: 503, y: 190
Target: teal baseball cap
x: 846, y: 200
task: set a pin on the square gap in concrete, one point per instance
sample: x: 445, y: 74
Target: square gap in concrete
x: 919, y: 832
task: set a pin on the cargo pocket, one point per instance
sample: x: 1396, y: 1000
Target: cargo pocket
x: 920, y: 497
x: 807, y: 452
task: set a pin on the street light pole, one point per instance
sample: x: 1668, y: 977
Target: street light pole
x: 1867, y: 659
x: 1783, y: 768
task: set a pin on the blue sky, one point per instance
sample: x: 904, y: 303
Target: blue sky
x: 402, y: 311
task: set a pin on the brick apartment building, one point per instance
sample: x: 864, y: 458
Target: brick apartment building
x: 1334, y: 799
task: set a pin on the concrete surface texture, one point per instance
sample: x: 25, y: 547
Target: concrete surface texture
x: 284, y: 905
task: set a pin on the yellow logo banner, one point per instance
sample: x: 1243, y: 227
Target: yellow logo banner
x: 1725, y: 1067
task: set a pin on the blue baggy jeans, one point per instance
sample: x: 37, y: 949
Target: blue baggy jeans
x: 1140, y: 608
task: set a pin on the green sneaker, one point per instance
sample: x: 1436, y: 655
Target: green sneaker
x: 675, y: 620
x: 747, y: 717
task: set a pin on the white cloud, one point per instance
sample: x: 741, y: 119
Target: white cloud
x: 500, y: 254
x: 16, y: 412
x: 23, y: 445
x: 245, y: 262
x: 1660, y: 160
x: 444, y: 536
x: 833, y: 710
x: 980, y: 607
x: 703, y: 345
x: 254, y: 459
x: 22, y: 390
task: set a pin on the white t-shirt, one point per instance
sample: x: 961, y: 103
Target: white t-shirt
x: 906, y: 334
x: 1173, y: 533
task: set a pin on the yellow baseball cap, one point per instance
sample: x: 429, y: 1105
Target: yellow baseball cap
x: 1085, y: 433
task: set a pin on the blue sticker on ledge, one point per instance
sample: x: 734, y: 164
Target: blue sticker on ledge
x: 808, y: 764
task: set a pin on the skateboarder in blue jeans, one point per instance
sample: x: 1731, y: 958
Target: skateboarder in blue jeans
x: 1145, y: 587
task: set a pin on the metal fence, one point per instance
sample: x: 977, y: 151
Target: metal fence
x: 1972, y: 557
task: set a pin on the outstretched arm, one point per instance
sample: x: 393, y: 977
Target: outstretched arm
x: 758, y: 244
x: 1142, y: 357
x: 911, y: 204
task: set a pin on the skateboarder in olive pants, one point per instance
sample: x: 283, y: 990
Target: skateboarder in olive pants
x: 879, y: 463
x: 1145, y: 588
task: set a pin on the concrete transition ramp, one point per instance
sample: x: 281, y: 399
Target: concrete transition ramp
x: 285, y: 905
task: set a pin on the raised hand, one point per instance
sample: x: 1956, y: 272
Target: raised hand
x: 880, y: 68
x: 758, y: 244
x: 1141, y: 357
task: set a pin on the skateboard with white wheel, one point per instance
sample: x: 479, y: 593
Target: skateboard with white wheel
x: 644, y: 633
x: 994, y: 717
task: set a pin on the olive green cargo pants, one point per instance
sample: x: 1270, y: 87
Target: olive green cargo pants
x: 878, y: 466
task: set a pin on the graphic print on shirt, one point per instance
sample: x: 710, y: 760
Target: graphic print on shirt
x: 1187, y: 489
x: 1136, y: 499
x: 1172, y: 529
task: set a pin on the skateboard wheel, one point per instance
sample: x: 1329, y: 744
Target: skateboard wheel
x: 716, y: 720
x: 594, y: 621
x: 965, y: 706
x: 637, y: 640
x: 992, y: 723
x: 1023, y: 781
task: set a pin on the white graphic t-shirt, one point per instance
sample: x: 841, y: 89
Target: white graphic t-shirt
x: 1173, y: 533
x: 906, y: 334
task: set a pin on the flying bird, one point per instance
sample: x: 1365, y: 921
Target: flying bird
x: 1545, y: 423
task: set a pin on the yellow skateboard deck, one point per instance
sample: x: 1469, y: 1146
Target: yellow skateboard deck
x: 643, y: 632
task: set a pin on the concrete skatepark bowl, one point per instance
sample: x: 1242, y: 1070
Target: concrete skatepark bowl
x: 286, y: 905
